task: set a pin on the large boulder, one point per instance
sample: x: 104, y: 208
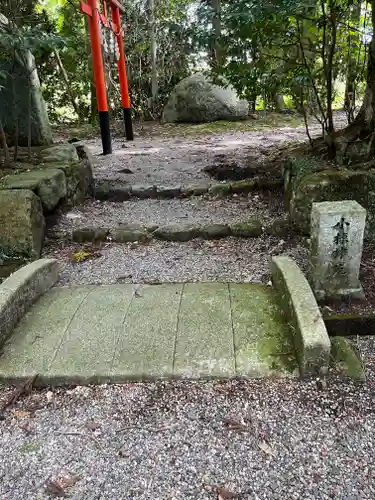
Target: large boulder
x: 20, y: 92
x: 307, y: 181
x: 196, y: 100
x: 21, y: 223
x: 48, y: 183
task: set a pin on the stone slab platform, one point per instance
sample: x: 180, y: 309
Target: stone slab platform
x: 116, y: 333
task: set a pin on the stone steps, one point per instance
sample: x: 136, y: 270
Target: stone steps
x: 126, y: 233
x: 117, y: 191
x: 174, y: 220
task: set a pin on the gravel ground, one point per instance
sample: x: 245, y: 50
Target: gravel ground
x: 258, y: 439
x: 180, y: 160
x: 229, y: 259
x: 189, y: 210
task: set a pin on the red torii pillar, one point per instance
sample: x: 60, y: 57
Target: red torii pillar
x: 95, y: 18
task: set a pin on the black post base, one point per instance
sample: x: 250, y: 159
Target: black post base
x: 128, y: 124
x: 105, y: 132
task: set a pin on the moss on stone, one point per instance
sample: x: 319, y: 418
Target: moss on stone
x: 346, y: 358
x: 279, y: 227
x: 214, y: 231
x: 268, y: 331
x: 250, y: 229
x: 221, y: 190
x: 244, y: 186
x: 332, y: 185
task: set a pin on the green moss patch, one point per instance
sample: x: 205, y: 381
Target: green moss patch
x: 346, y: 358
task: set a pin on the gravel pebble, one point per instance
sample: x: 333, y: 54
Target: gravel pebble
x: 195, y: 210
x: 261, y: 439
x: 230, y: 259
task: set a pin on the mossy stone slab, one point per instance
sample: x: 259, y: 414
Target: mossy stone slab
x: 262, y: 338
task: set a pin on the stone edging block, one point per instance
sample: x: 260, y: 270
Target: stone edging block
x: 22, y: 289
x: 177, y: 232
x: 297, y: 300
x: 122, y: 192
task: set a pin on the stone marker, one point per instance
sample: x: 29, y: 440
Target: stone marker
x: 337, y: 230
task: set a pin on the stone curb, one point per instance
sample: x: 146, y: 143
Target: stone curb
x: 120, y: 192
x: 297, y: 300
x: 21, y: 290
x: 176, y: 232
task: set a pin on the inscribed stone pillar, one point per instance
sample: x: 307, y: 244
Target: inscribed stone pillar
x: 337, y: 231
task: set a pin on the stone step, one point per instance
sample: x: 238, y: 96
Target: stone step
x: 115, y: 333
x: 174, y: 220
x: 116, y: 191
x: 127, y: 233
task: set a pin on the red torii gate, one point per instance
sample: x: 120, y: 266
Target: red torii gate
x: 96, y: 18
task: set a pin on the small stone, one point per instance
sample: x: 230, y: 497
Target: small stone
x: 177, y: 232
x: 195, y: 190
x: 169, y: 191
x: 143, y: 191
x: 89, y: 234
x: 220, y: 190
x: 249, y: 229
x: 213, y: 231
x: 243, y: 186
x: 124, y: 235
x: 107, y: 191
x: 279, y: 227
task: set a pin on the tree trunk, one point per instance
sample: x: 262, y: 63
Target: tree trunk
x: 216, y: 48
x: 153, y: 50
x: 4, y: 146
x: 351, y: 74
x: 363, y: 124
x: 67, y: 82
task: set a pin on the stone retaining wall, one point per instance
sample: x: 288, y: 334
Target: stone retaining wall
x: 64, y: 177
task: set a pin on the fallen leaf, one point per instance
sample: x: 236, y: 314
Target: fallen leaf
x: 264, y: 446
x: 225, y: 494
x: 20, y: 414
x: 54, y: 488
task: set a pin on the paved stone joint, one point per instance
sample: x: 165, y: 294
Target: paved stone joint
x: 114, y: 333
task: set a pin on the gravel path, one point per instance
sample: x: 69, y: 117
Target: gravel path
x: 259, y: 439
x: 180, y: 160
x: 229, y: 259
x: 189, y: 210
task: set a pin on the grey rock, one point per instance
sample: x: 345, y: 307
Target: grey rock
x: 23, y: 75
x: 220, y: 190
x: 195, y: 99
x: 279, y: 227
x: 213, y: 231
x: 60, y: 152
x: 169, y: 191
x: 22, y: 223
x: 195, y: 190
x: 48, y: 183
x: 89, y: 234
x: 79, y: 180
x: 177, y: 232
x: 143, y: 191
x: 128, y: 234
x: 108, y: 191
x: 248, y: 229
